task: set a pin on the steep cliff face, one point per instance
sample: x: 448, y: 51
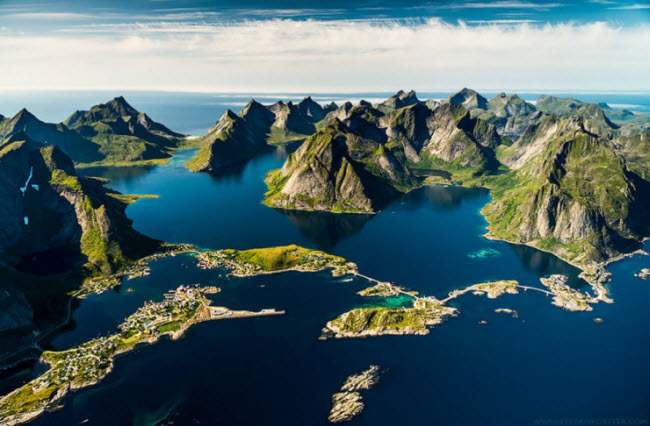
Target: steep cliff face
x: 47, y: 209
x: 572, y: 195
x: 336, y: 170
x: 635, y: 148
x: 234, y: 138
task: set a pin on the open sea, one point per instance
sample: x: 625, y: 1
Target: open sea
x: 547, y: 366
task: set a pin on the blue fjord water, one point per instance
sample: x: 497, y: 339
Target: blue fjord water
x: 545, y: 367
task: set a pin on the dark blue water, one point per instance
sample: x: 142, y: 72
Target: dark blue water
x: 545, y: 367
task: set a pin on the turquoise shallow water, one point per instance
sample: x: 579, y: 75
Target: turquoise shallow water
x: 545, y: 367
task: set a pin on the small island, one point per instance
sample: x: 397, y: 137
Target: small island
x: 426, y: 312
x: 348, y: 402
x: 88, y: 363
x: 384, y: 290
x: 416, y: 319
x: 565, y: 296
x: 246, y: 263
x: 511, y: 312
x: 643, y: 273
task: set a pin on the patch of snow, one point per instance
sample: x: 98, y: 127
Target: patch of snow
x: 26, y: 220
x: 24, y: 188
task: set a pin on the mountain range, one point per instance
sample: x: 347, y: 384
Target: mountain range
x: 565, y: 177
x: 108, y: 134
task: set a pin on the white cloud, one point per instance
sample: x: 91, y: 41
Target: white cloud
x: 632, y: 7
x: 47, y: 15
x: 503, y: 21
x: 500, y: 5
x: 319, y: 56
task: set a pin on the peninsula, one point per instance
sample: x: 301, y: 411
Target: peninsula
x: 88, y: 363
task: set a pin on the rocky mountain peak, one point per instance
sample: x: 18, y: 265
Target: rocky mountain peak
x: 309, y: 108
x: 120, y: 106
x: 468, y: 98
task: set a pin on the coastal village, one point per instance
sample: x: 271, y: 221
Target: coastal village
x: 90, y: 362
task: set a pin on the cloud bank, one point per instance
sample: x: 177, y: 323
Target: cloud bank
x: 313, y: 56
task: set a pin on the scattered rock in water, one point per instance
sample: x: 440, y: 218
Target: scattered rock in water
x: 482, y: 322
x: 598, y: 320
x: 509, y: 311
x: 643, y: 273
x: 483, y: 253
x: 348, y: 403
x: 345, y: 406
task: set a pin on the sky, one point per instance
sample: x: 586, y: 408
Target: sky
x: 325, y: 46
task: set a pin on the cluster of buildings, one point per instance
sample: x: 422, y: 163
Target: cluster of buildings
x: 178, y: 304
x: 89, y: 362
x: 86, y: 363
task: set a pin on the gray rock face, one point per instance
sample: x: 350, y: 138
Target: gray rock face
x: 336, y: 170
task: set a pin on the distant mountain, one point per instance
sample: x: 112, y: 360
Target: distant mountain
x: 360, y: 162
x: 572, y: 183
x: 400, y: 100
x: 109, y: 133
x: 237, y: 137
x: 46, y: 209
x: 80, y: 149
x: 504, y: 106
x: 566, y: 107
x: 468, y: 98
x: 447, y: 134
x: 234, y: 138
x: 122, y: 133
